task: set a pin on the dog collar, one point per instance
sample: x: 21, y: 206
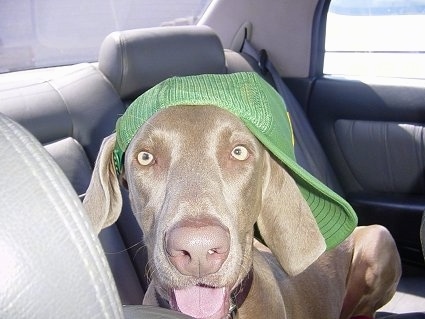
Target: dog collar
x: 239, y: 294
x: 263, y: 111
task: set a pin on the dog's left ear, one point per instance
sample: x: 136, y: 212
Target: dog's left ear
x: 286, y: 222
x: 103, y: 201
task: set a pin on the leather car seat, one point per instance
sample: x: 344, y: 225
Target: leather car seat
x: 52, y: 264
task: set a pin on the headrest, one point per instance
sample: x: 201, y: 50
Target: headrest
x: 136, y: 60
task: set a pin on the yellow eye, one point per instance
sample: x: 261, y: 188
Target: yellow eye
x: 145, y: 158
x: 240, y: 153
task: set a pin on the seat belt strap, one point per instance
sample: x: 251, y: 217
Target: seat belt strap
x: 265, y: 66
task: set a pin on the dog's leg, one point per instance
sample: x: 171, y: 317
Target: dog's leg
x: 374, y: 274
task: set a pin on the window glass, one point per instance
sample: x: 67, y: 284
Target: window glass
x: 44, y: 33
x: 376, y: 38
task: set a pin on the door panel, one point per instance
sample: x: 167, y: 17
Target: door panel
x: 385, y: 157
x: 374, y: 136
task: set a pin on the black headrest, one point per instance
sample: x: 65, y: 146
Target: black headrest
x: 136, y: 60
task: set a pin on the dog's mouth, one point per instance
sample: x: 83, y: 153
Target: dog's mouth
x: 201, y: 302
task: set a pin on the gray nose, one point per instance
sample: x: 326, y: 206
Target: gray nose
x: 198, y: 247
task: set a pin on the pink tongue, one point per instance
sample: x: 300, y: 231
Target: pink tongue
x: 200, y: 302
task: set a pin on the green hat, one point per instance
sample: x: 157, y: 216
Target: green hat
x: 263, y: 111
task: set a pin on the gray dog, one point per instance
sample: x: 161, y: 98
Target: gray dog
x: 204, y: 159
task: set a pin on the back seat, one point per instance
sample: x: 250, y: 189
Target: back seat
x: 71, y: 113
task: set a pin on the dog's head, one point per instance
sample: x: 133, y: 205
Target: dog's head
x: 198, y: 181
x: 200, y: 175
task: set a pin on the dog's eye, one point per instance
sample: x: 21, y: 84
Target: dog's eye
x: 240, y: 153
x: 145, y: 158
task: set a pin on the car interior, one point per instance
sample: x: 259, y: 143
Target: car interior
x: 364, y: 138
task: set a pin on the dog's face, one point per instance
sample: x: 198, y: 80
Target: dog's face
x: 195, y: 177
x: 198, y: 181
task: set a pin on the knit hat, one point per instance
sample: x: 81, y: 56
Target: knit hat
x: 263, y: 111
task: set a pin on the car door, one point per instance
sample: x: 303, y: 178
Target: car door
x: 366, y: 103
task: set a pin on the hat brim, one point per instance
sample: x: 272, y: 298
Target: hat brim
x: 334, y: 216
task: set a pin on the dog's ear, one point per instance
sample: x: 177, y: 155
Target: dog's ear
x: 286, y: 223
x: 103, y: 201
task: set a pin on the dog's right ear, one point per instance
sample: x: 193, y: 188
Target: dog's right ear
x: 103, y: 201
x: 286, y: 222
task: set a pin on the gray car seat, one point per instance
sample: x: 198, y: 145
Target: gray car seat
x: 70, y: 112
x: 50, y: 260
x: 52, y: 264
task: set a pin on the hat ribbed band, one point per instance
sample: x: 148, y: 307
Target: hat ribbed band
x: 246, y: 95
x: 263, y: 111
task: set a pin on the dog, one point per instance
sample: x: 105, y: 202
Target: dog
x: 199, y: 182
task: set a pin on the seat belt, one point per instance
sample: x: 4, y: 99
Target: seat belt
x: 265, y: 66
x: 306, y: 140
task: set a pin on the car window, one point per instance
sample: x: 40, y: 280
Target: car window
x: 376, y: 38
x: 36, y: 34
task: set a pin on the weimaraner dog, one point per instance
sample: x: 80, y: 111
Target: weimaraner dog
x: 199, y: 181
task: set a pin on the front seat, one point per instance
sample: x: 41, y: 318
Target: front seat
x: 51, y: 263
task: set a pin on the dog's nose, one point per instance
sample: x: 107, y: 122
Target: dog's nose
x: 198, y: 248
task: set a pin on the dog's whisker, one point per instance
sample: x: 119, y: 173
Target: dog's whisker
x: 139, y: 249
x: 126, y: 249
